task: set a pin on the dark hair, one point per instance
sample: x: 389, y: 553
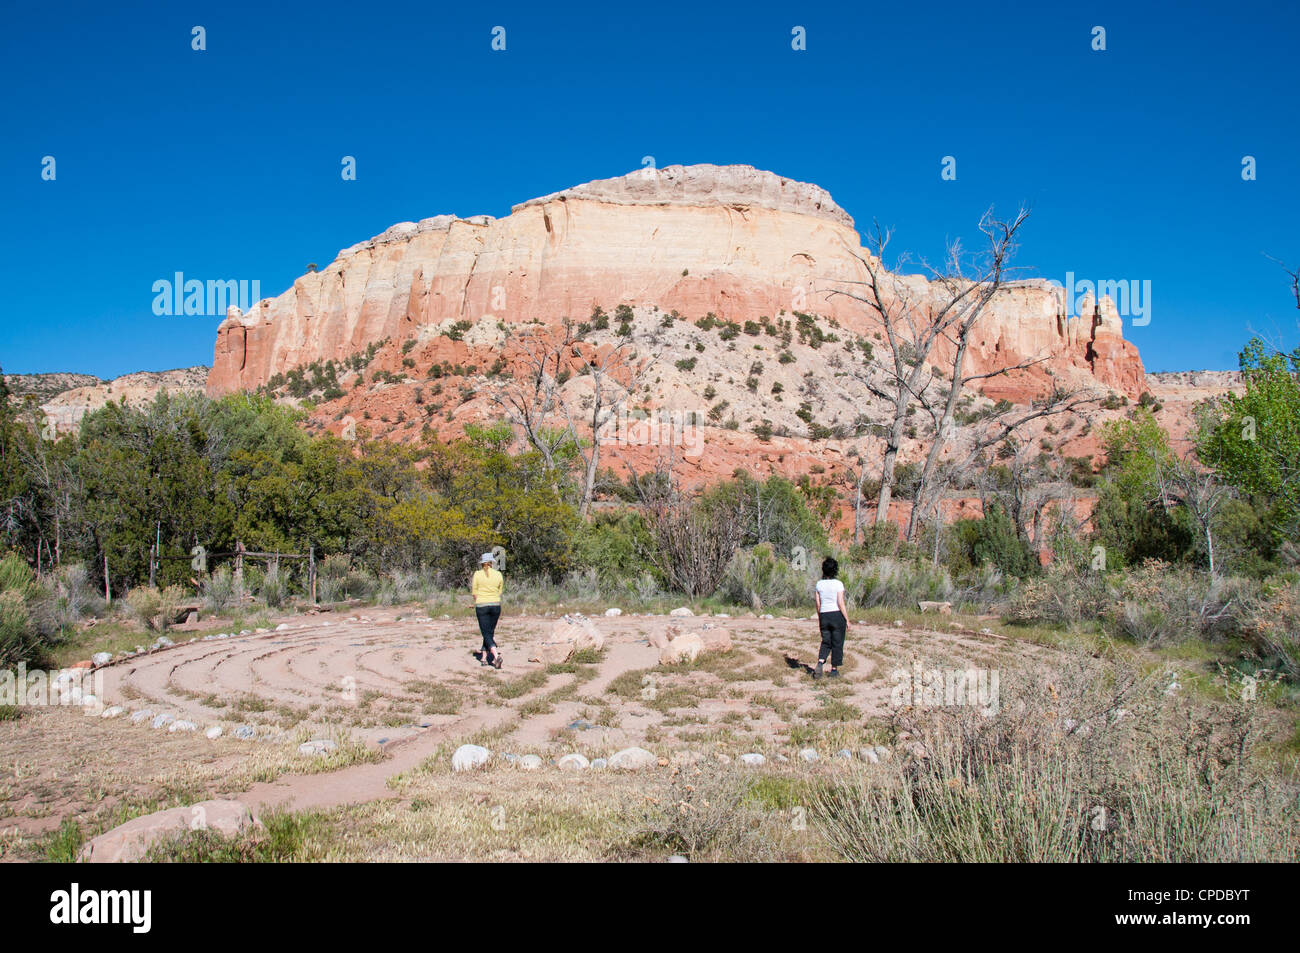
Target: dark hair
x: 829, y: 567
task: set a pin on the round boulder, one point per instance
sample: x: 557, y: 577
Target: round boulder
x: 469, y: 757
x: 318, y: 747
x: 633, y: 759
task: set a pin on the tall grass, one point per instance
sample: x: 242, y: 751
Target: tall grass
x: 1083, y: 765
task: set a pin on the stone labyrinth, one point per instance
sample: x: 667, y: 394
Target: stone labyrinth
x: 383, y: 677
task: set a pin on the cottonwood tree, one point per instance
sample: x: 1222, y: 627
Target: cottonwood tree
x: 1253, y: 438
x: 913, y: 316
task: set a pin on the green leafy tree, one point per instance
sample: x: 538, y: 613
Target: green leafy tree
x: 1254, y: 442
x: 1131, y: 518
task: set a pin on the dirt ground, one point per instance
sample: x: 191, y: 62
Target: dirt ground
x: 397, y: 692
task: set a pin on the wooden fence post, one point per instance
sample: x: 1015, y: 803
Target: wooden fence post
x: 311, y: 570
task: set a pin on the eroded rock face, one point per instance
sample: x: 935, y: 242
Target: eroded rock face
x: 732, y: 240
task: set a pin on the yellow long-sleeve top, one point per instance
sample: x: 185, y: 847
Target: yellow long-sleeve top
x: 487, y: 586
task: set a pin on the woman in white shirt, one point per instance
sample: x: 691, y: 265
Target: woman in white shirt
x: 832, y: 617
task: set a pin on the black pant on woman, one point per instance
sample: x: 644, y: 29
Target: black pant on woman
x: 487, y: 625
x: 833, y: 626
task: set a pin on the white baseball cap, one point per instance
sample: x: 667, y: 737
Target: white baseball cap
x: 487, y: 558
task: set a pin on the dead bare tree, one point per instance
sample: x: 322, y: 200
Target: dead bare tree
x: 615, y: 374
x: 659, y: 485
x: 1293, y: 273
x: 993, y: 269
x: 1001, y: 428
x: 538, y: 404
x: 914, y: 315
x: 1181, y: 480
x: 531, y: 399
x: 1031, y: 489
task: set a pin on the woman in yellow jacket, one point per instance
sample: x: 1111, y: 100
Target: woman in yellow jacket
x: 486, y: 586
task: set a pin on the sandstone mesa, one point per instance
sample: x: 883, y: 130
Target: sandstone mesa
x: 732, y: 240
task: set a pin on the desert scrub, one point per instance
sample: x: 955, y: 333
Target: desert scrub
x: 885, y: 581
x: 17, y: 640
x: 708, y: 814
x: 1159, y: 604
x: 274, y: 586
x: 143, y: 604
x: 35, y: 613
x: 1273, y: 623
x: 1086, y: 763
x: 757, y: 578
x: 221, y: 591
x: 1062, y: 597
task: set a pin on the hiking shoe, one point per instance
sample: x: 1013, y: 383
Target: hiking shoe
x: 817, y: 673
x: 835, y: 673
x: 498, y: 661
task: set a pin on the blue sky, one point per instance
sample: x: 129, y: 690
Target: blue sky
x: 226, y: 163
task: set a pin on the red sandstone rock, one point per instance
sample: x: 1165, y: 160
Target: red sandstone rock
x: 732, y: 240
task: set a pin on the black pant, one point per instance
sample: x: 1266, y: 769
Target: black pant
x: 833, y: 626
x: 487, y: 624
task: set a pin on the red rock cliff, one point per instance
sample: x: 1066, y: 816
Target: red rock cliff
x: 733, y: 240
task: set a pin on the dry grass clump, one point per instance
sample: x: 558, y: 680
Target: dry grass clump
x: 1085, y: 762
x: 718, y: 813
